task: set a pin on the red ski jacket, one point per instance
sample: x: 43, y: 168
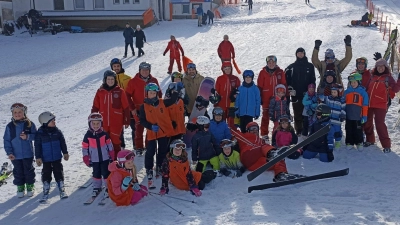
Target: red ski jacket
x: 226, y: 51
x: 173, y: 48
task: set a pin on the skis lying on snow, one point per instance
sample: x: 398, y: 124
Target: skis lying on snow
x: 92, y: 198
x: 251, y: 176
x: 87, y: 184
x: 321, y: 176
x: 5, y: 173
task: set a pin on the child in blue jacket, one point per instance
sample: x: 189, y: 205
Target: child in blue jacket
x: 18, y: 137
x: 218, y: 127
x: 310, y: 102
x: 50, y: 148
x: 248, y: 100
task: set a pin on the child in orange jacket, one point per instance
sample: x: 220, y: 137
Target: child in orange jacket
x: 124, y: 188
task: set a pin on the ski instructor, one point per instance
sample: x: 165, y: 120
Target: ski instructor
x: 192, y: 80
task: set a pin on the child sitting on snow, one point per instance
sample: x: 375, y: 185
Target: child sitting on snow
x: 278, y: 105
x: 284, y: 135
x: 229, y: 160
x: 176, y: 169
x: 123, y: 185
x: 310, y: 102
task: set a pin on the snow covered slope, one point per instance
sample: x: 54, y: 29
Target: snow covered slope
x: 62, y: 72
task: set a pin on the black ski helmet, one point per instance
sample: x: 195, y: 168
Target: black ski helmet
x: 324, y: 109
x: 109, y: 73
x: 115, y: 61
x: 176, y: 75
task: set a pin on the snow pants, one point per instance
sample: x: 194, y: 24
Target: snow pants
x: 138, y: 195
x: 138, y: 134
x: 244, y: 120
x: 335, y: 134
x: 354, y: 132
x: 171, y: 64
x: 201, y: 165
x: 229, y: 120
x: 54, y: 167
x: 298, y: 108
x: 323, y: 157
x: 379, y: 116
x: 23, y: 171
x: 115, y: 133
x: 126, y: 48
x: 265, y: 122
x: 255, y: 158
x: 132, y: 125
x: 100, y: 169
x: 163, y: 149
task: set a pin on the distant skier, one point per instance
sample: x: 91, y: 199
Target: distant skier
x: 174, y: 55
x: 199, y: 15
x: 210, y: 16
x: 250, y: 2
x: 129, y: 34
x: 226, y: 51
x: 140, y: 39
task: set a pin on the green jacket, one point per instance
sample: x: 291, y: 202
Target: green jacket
x: 232, y: 162
x: 192, y: 86
x: 340, y: 65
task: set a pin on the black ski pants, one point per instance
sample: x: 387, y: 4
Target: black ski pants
x: 126, y: 48
x: 23, y: 172
x: 354, y: 132
x: 163, y: 149
x: 54, y: 167
x: 298, y: 108
x: 244, y: 120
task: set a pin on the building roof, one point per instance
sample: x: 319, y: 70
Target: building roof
x: 93, y: 13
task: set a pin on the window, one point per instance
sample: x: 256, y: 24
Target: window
x: 79, y: 4
x: 116, y: 1
x: 185, y: 8
x: 126, y: 1
x: 58, y: 4
x: 99, y: 4
x: 136, y: 1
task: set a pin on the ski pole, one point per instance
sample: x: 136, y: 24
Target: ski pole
x: 148, y: 43
x: 174, y: 197
x: 179, y: 212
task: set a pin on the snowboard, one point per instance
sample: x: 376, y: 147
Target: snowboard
x: 204, y: 91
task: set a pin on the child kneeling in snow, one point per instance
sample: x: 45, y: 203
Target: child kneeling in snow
x: 124, y: 188
x: 229, y: 160
x: 285, y: 135
x: 176, y: 168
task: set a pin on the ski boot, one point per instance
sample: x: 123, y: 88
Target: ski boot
x: 124, y: 56
x: 266, y: 139
x: 367, y: 144
x: 46, y: 190
x: 30, y: 190
x: 387, y: 150
x: 139, y: 151
x: 20, y: 191
x: 286, y: 176
x: 61, y: 188
x: 106, y: 193
x: 337, y: 144
x: 150, y: 184
x: 349, y: 147
x: 96, y: 191
x: 158, y: 172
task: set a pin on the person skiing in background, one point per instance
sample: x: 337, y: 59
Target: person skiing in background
x: 124, y: 188
x: 210, y: 15
x: 140, y: 39
x: 154, y: 116
x: 135, y: 93
x: 310, y: 102
x: 378, y: 86
x: 111, y: 102
x: 356, y: 111
x: 50, y: 148
x: 174, y: 47
x: 250, y: 2
x: 192, y: 80
x: 97, y: 151
x: 278, y: 106
x: 18, y: 138
x: 122, y: 82
x: 284, y: 135
x: 199, y: 13
x: 229, y: 160
x: 299, y: 75
x: 330, y: 62
x: 307, y: 1
x: 248, y: 100
x: 320, y: 145
x: 225, y: 84
x: 176, y: 169
x: 226, y: 51
x: 129, y: 34
x: 270, y: 76
x: 255, y: 152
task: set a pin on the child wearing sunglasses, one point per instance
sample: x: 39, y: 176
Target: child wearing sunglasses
x: 229, y: 160
x: 124, y: 188
x: 18, y: 138
x: 176, y: 169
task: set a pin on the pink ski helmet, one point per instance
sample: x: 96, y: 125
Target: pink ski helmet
x: 125, y: 155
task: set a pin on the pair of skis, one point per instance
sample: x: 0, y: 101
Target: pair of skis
x: 251, y: 176
x: 5, y: 173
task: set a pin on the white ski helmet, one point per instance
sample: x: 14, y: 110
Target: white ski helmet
x: 202, y: 120
x: 46, y: 117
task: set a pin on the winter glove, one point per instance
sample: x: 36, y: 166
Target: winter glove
x: 136, y: 186
x: 291, y: 91
x: 125, y: 183
x: 180, y: 86
x: 112, y: 155
x: 231, y: 112
x: 238, y: 173
x: 201, y: 102
x: 39, y: 162
x: 174, y: 124
x: 66, y: 157
x: 225, y: 171
x: 347, y: 40
x: 213, y: 91
x: 191, y: 127
x: 377, y: 56
x: 163, y: 54
x: 163, y: 191
x: 86, y: 160
x: 363, y: 119
x: 233, y: 94
x: 154, y: 128
x: 214, y: 99
x: 195, y: 191
x: 318, y: 43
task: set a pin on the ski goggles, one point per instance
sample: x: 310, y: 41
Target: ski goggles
x: 271, y: 57
x: 177, y: 75
x: 151, y: 87
x: 178, y: 145
x: 18, y: 106
x: 191, y: 66
x: 361, y: 60
x: 226, y: 143
x: 218, y: 111
x: 128, y: 157
x: 253, y: 128
x: 95, y: 117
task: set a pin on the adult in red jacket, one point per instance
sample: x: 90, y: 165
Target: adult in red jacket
x: 226, y: 52
x: 378, y: 88
x: 111, y: 102
x: 270, y: 76
x: 225, y: 84
x: 174, y: 47
x: 254, y: 152
x: 136, y: 94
